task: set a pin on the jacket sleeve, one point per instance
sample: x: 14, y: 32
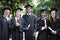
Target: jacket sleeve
x: 58, y: 30
x: 22, y: 28
x: 11, y: 24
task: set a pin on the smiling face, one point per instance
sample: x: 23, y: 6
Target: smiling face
x: 28, y: 10
x: 53, y: 14
x: 43, y: 14
x: 18, y: 13
x: 6, y: 13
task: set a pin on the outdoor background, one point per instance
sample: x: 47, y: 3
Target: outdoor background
x: 37, y: 5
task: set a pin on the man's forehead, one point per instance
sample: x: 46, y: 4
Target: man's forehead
x: 43, y: 12
x: 7, y: 10
x: 28, y: 8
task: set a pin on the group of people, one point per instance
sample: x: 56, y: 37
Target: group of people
x: 49, y: 29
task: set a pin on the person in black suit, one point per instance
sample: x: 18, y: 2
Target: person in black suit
x: 17, y: 25
x: 55, y: 25
x: 30, y: 21
x: 42, y: 26
x: 4, y: 24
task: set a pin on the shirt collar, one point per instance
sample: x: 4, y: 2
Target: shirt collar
x: 29, y: 13
x: 7, y: 18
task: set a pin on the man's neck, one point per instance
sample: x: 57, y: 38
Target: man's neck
x: 28, y: 13
x: 5, y: 16
x: 17, y: 17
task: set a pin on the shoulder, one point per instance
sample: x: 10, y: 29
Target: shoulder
x: 34, y: 15
x: 58, y: 19
x: 48, y: 20
x: 21, y: 19
x: 38, y: 19
x: 25, y: 16
x: 1, y: 17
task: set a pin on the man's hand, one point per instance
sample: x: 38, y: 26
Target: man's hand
x: 27, y: 28
x: 45, y: 27
x: 17, y: 24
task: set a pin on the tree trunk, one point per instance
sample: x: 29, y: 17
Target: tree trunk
x: 57, y: 3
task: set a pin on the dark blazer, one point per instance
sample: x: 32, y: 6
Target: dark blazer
x: 29, y: 19
x: 20, y: 21
x: 56, y: 27
x: 4, y: 29
x: 0, y: 28
x: 43, y: 34
x: 17, y: 32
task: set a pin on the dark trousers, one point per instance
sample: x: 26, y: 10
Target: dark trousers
x: 17, y: 36
x: 29, y: 35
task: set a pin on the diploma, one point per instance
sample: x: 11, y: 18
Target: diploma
x: 29, y: 25
x: 45, y: 20
x: 50, y: 28
x: 16, y: 19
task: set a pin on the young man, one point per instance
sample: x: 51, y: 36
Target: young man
x: 42, y: 26
x: 30, y: 20
x: 17, y: 25
x: 4, y: 24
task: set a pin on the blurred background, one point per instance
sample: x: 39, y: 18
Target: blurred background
x: 37, y: 5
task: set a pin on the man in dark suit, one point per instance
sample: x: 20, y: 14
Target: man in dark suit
x: 4, y: 24
x: 30, y: 20
x: 17, y: 25
x: 42, y: 26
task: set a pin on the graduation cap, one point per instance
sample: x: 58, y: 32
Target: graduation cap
x: 27, y: 6
x: 54, y: 9
x: 5, y: 9
x: 43, y: 10
x: 18, y: 9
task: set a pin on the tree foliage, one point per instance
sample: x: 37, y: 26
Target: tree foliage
x: 37, y: 4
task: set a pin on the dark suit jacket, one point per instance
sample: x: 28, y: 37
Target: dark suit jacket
x: 13, y: 22
x: 43, y: 34
x: 30, y: 19
x: 56, y: 27
x: 17, y: 31
x: 4, y: 28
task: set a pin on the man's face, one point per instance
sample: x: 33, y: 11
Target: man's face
x: 43, y: 14
x: 6, y: 13
x: 18, y: 13
x: 28, y: 10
